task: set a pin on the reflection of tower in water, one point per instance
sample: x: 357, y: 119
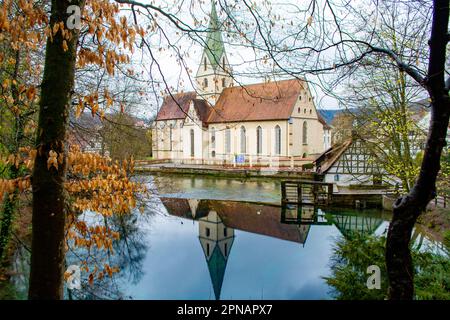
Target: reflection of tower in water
x: 216, y: 240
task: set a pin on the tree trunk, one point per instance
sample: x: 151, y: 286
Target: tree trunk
x: 408, y: 208
x: 49, y: 199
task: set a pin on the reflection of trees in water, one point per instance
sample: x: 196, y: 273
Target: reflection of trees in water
x: 128, y: 255
x: 352, y: 255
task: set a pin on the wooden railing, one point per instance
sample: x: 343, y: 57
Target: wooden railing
x: 306, y: 192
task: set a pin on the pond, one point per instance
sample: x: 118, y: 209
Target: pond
x: 207, y: 238
x: 201, y: 238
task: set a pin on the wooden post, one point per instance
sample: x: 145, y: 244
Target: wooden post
x: 330, y: 193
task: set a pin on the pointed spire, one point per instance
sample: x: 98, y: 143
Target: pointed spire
x: 214, y: 43
x: 216, y: 266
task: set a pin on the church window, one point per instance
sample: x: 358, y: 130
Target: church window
x: 227, y: 141
x: 205, y: 82
x: 207, y: 249
x: 170, y: 136
x: 305, y: 132
x: 225, y: 232
x: 277, y: 140
x: 310, y: 111
x: 259, y: 140
x: 213, y: 138
x: 225, y: 249
x: 223, y: 63
x: 223, y: 83
x: 208, y: 232
x: 304, y: 110
x: 243, y: 140
x: 213, y: 154
x: 205, y: 64
x: 299, y: 110
x: 300, y: 97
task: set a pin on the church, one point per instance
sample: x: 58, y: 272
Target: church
x: 221, y: 122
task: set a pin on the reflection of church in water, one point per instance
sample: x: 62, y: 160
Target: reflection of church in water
x: 218, y: 220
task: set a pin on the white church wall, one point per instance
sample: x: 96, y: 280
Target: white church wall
x: 268, y: 139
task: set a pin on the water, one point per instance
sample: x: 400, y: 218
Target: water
x: 207, y: 238
x: 198, y: 187
x: 187, y: 246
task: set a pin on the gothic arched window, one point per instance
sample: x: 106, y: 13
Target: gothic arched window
x: 259, y: 140
x: 277, y: 140
x: 305, y: 132
x: 213, y: 137
x: 227, y: 141
x: 243, y: 140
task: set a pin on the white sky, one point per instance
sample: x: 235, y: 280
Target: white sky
x: 241, y: 57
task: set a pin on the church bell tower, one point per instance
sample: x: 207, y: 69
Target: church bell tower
x: 214, y: 72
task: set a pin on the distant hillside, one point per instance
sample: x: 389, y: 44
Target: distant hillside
x: 329, y: 114
x: 418, y: 108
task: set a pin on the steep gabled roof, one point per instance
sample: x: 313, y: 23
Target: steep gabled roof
x: 262, y: 101
x: 176, y: 107
x: 214, y: 42
x: 331, y: 155
x: 203, y: 109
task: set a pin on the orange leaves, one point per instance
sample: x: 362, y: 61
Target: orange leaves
x: 10, y: 186
x: 65, y: 47
x: 31, y: 93
x: 22, y: 28
x: 52, y: 160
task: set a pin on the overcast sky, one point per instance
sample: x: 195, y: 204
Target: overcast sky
x: 246, y: 63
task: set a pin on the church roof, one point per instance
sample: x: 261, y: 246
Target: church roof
x: 249, y: 217
x: 214, y: 42
x: 262, y: 101
x: 178, y: 106
x: 216, y: 266
x: 331, y: 155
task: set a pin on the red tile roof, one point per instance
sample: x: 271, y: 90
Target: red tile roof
x: 262, y: 101
x: 254, y: 218
x: 176, y: 107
